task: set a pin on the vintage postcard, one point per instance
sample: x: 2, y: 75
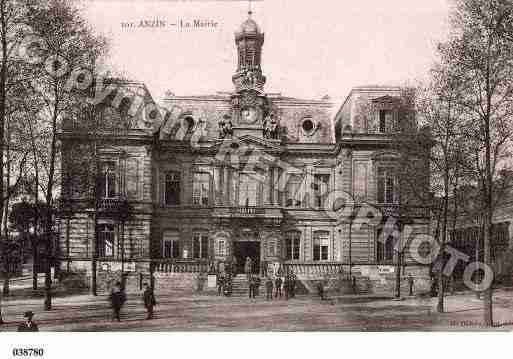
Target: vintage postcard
x: 254, y: 166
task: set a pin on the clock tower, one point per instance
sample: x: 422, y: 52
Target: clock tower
x: 250, y: 106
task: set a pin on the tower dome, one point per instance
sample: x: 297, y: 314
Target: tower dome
x: 249, y: 40
x: 249, y: 27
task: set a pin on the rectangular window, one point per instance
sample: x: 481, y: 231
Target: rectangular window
x: 200, y: 245
x: 172, y: 188
x: 294, y: 191
x: 321, y: 246
x: 272, y: 248
x: 386, y: 185
x: 321, y: 188
x: 171, y: 244
x: 248, y: 190
x: 384, y: 251
x: 360, y: 180
x: 201, y: 189
x: 292, y: 245
x: 221, y: 248
x: 106, y: 238
x: 385, y: 121
x: 107, y: 180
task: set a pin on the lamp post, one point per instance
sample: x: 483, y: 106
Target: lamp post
x: 66, y: 210
x: 352, y: 217
x: 123, y: 215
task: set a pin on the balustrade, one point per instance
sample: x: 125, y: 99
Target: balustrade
x: 180, y: 266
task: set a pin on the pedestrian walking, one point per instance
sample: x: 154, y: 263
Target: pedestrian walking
x: 410, y: 284
x: 149, y: 300
x: 277, y: 284
x: 29, y: 325
x: 117, y: 299
x: 269, y: 288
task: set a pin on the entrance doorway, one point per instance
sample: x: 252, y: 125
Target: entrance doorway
x: 242, y: 250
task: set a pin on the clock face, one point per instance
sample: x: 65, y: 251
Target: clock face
x: 249, y: 115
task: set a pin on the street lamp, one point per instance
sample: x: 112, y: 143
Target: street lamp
x: 351, y: 218
x: 123, y: 215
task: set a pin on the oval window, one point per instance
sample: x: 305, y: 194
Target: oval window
x: 308, y: 126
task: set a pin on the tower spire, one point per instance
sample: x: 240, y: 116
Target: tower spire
x: 250, y: 10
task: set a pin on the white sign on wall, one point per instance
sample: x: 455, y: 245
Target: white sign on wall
x: 386, y: 269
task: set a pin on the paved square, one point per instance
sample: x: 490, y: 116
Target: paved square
x: 191, y: 312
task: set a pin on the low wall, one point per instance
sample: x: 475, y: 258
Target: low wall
x: 369, y: 279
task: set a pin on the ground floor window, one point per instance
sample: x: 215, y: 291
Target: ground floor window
x: 171, y: 244
x: 292, y: 245
x: 221, y: 247
x: 200, y: 245
x: 321, y: 246
x: 385, y: 247
x: 106, y: 239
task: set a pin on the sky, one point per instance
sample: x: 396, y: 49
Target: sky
x: 311, y: 49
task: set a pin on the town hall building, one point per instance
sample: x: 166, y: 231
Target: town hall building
x: 195, y: 183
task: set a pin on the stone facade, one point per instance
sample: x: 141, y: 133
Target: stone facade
x: 206, y: 181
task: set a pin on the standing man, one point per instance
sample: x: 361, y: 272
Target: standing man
x: 277, y: 283
x: 248, y: 267
x: 251, y: 284
x: 292, y: 285
x: 269, y: 288
x: 220, y: 281
x: 117, y: 298
x: 320, y: 290
x: 28, y: 325
x: 149, y: 300
x: 410, y: 284
x: 286, y: 286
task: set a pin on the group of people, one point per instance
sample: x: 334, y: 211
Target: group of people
x: 285, y: 286
x: 224, y: 284
x: 118, y: 298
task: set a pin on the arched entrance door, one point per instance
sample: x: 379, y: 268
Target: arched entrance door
x: 244, y: 249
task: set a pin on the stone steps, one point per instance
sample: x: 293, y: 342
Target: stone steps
x: 240, y: 286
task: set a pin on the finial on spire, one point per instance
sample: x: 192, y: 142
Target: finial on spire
x: 250, y: 11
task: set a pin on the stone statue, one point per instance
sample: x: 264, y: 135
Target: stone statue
x: 270, y: 127
x: 225, y: 127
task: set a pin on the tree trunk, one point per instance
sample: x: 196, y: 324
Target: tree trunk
x: 3, y: 81
x: 35, y: 258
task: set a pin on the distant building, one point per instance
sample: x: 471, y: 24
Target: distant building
x: 466, y: 232
x: 216, y: 179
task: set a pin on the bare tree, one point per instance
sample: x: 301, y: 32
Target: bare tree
x: 69, y: 48
x: 480, y: 55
